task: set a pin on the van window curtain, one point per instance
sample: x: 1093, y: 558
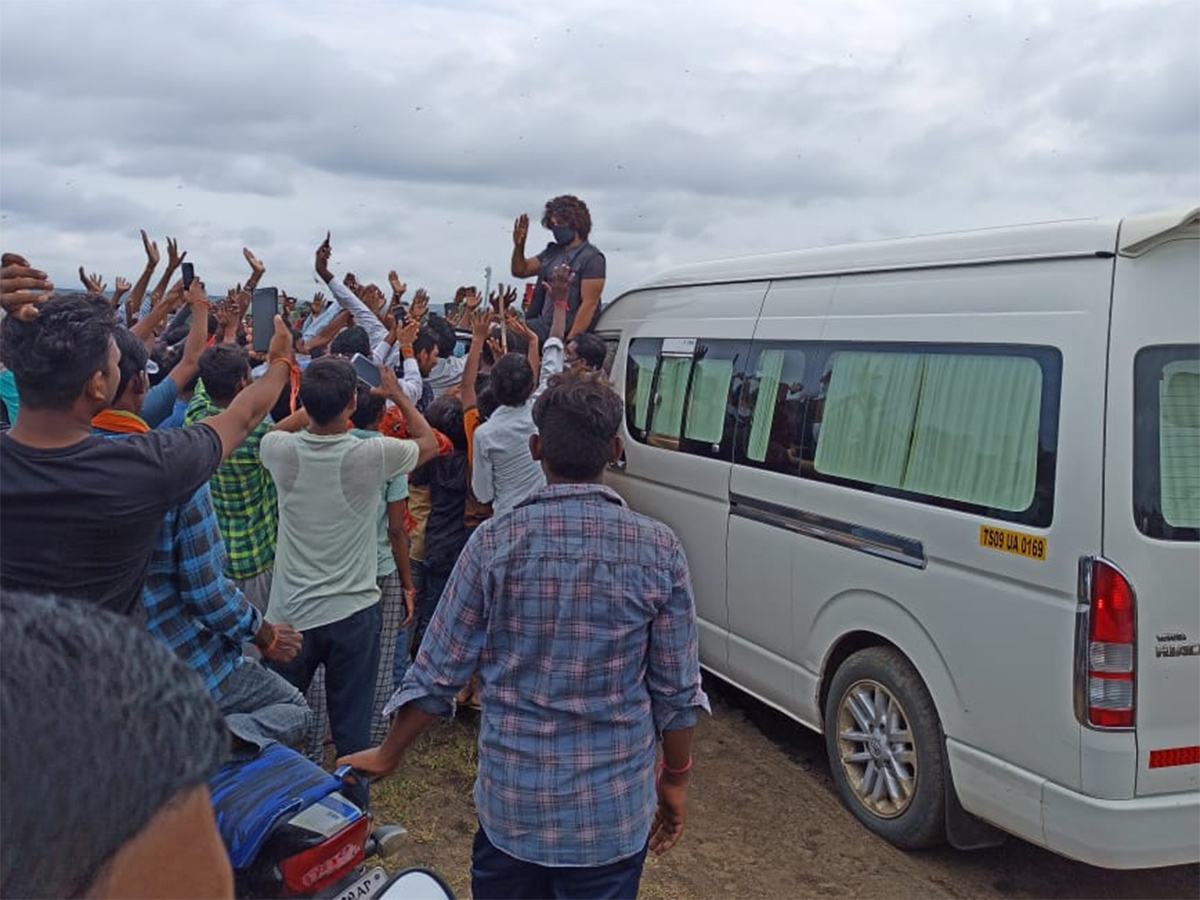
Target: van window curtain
x: 645, y: 380
x: 672, y: 389
x: 868, y: 416
x: 1179, y: 443
x: 976, y: 433
x: 706, y: 403
x: 770, y: 372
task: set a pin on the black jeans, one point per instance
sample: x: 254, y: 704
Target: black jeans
x: 349, y: 649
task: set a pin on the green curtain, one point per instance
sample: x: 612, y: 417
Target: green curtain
x: 706, y: 405
x: 868, y: 416
x: 975, y: 437
x: 1179, y: 443
x: 645, y: 380
x: 770, y: 371
x: 672, y: 389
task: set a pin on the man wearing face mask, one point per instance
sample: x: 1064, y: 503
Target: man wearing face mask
x: 568, y: 219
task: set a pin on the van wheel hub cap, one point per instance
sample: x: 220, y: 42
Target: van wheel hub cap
x: 878, y: 755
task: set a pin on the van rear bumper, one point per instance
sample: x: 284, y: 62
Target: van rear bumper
x: 1142, y: 833
x: 1145, y: 832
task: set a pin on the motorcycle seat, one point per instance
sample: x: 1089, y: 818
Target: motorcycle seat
x: 251, y: 797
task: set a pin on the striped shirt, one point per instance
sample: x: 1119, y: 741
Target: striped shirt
x: 243, y: 495
x: 579, y: 616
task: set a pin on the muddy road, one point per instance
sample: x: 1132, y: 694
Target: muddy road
x: 764, y: 820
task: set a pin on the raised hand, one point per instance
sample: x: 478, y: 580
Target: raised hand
x: 255, y: 263
x: 516, y: 326
x: 94, y: 283
x: 497, y: 349
x: 420, y: 304
x: 175, y: 296
x: 151, y: 251
x: 174, y: 257
x: 559, y: 286
x: 398, y: 286
x: 194, y: 295
x: 281, y: 343
x: 472, y: 298
x: 324, y: 252
x: 22, y: 287
x: 408, y: 333
x: 389, y: 384
x: 480, y: 323
x: 120, y: 290
x: 520, y: 231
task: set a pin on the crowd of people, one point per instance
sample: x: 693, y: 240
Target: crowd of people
x: 373, y: 522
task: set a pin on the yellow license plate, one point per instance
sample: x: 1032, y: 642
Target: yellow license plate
x: 1028, y: 545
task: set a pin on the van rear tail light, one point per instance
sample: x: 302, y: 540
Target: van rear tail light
x: 318, y: 867
x: 1105, y: 646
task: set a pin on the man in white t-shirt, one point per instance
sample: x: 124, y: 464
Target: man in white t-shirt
x: 329, y: 484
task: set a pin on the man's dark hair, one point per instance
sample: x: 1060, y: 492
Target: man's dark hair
x: 369, y: 410
x: 350, y: 341
x: 86, y: 695
x: 577, y: 417
x: 485, y: 402
x: 591, y: 349
x: 446, y: 415
x: 327, y: 387
x: 425, y: 340
x: 444, y: 332
x: 222, y: 368
x: 569, y: 210
x: 512, y: 379
x: 166, y: 358
x: 55, y: 355
x: 133, y: 358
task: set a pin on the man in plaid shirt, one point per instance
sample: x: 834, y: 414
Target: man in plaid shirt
x: 579, y: 616
x: 242, y: 490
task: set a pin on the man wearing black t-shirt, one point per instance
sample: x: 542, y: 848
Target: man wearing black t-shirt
x: 567, y: 217
x: 79, y: 513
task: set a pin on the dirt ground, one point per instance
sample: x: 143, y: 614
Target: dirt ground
x: 763, y: 821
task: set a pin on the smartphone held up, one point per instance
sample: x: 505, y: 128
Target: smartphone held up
x: 264, y: 305
x: 367, y: 371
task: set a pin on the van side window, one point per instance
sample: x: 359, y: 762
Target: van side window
x: 1166, y: 444
x: 683, y: 400
x: 970, y: 427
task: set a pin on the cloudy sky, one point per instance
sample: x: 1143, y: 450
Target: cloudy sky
x: 694, y: 130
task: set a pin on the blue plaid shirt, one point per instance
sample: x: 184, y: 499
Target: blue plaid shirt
x: 191, y: 605
x: 579, y: 616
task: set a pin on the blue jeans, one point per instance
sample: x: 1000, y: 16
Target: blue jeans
x: 349, y: 648
x: 497, y: 876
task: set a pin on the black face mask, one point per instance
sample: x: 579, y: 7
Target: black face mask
x: 563, y: 234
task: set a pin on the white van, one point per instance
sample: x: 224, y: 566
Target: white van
x: 941, y: 501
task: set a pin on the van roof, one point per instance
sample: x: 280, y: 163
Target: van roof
x: 1076, y: 237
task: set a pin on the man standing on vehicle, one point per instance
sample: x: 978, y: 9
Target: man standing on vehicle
x: 567, y: 217
x: 579, y: 616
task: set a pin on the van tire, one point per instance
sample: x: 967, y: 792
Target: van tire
x: 879, y: 688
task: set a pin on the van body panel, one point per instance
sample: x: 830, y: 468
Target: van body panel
x: 1155, y: 303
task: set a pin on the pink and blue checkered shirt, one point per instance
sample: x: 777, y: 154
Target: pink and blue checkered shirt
x: 579, y: 616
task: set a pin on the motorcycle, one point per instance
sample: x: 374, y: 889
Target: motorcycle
x: 294, y: 830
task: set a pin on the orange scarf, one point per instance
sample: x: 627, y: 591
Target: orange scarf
x: 119, y: 421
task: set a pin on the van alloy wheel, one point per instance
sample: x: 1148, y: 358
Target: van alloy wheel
x: 876, y: 748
